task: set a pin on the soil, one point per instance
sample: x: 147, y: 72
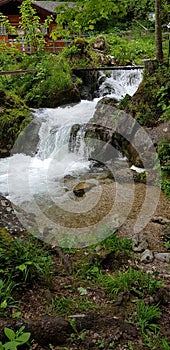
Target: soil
x: 106, y: 323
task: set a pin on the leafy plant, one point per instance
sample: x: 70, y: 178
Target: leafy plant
x: 6, y: 298
x: 164, y: 151
x: 5, y: 23
x: 164, y: 101
x: 146, y: 315
x: 24, y: 260
x: 64, y: 305
x: 130, y: 281
x: 16, y: 339
x: 30, y: 24
x: 117, y: 244
x: 83, y: 16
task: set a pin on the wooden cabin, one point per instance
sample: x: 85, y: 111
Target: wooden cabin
x: 11, y: 9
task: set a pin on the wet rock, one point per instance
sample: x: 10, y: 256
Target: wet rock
x: 73, y: 136
x: 28, y: 140
x: 116, y: 128
x: 102, y: 175
x: 83, y: 187
x: 89, y: 85
x: 8, y: 217
x: 139, y: 242
x: 147, y: 256
x: 165, y: 257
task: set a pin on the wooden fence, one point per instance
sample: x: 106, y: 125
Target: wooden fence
x: 50, y: 45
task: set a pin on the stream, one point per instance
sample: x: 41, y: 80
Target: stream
x: 36, y: 184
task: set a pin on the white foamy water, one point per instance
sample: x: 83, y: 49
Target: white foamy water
x: 119, y: 83
x: 23, y: 178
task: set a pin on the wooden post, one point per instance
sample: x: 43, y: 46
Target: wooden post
x: 158, y: 31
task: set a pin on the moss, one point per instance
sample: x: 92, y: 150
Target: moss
x: 150, y: 103
x: 5, y: 236
x: 15, y: 115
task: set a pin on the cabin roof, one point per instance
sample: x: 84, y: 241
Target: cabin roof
x: 49, y: 6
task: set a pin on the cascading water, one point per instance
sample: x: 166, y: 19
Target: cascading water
x: 24, y: 179
x: 119, y: 83
x: 22, y: 176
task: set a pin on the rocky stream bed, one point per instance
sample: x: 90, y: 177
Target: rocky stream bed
x: 107, y: 324
x: 93, y: 317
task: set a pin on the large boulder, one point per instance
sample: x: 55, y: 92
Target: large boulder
x: 28, y: 140
x: 111, y: 132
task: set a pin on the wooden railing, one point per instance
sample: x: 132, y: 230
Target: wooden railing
x: 50, y: 45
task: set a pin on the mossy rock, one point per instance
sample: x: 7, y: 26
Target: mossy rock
x: 15, y: 116
x: 5, y: 237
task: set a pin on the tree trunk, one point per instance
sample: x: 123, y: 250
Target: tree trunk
x: 158, y: 31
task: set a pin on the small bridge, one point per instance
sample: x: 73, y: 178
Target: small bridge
x: 108, y: 68
x: 22, y: 71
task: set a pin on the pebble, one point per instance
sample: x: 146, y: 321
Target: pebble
x: 165, y: 257
x: 147, y: 256
x: 139, y: 243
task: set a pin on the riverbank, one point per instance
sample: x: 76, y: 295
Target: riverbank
x: 76, y: 299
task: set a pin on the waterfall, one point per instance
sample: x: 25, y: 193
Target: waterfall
x: 24, y: 177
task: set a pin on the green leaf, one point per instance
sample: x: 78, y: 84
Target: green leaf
x: 3, y: 305
x: 1, y: 346
x: 11, y: 345
x: 1, y: 283
x: 23, y: 338
x: 23, y: 267
x: 16, y: 314
x: 9, y: 333
x: 82, y: 290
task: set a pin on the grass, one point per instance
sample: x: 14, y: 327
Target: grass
x: 147, y: 315
x: 134, y: 47
x: 24, y: 260
x: 134, y: 281
x: 62, y: 306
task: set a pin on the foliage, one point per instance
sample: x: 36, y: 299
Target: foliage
x: 165, y: 185
x: 51, y: 76
x: 146, y: 314
x: 164, y: 156
x: 130, y: 281
x: 84, y: 15
x: 23, y: 261
x: 65, y: 306
x: 163, y: 96
x: 16, y: 339
x: 149, y: 111
x: 15, y: 115
x: 164, y: 151
x: 9, y: 57
x: 30, y: 24
x: 6, y: 299
x: 117, y: 244
x: 4, y: 21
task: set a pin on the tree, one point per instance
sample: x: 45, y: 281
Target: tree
x: 30, y: 24
x: 4, y: 21
x: 83, y: 15
x: 158, y: 31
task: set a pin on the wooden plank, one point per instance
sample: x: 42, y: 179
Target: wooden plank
x: 108, y: 68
